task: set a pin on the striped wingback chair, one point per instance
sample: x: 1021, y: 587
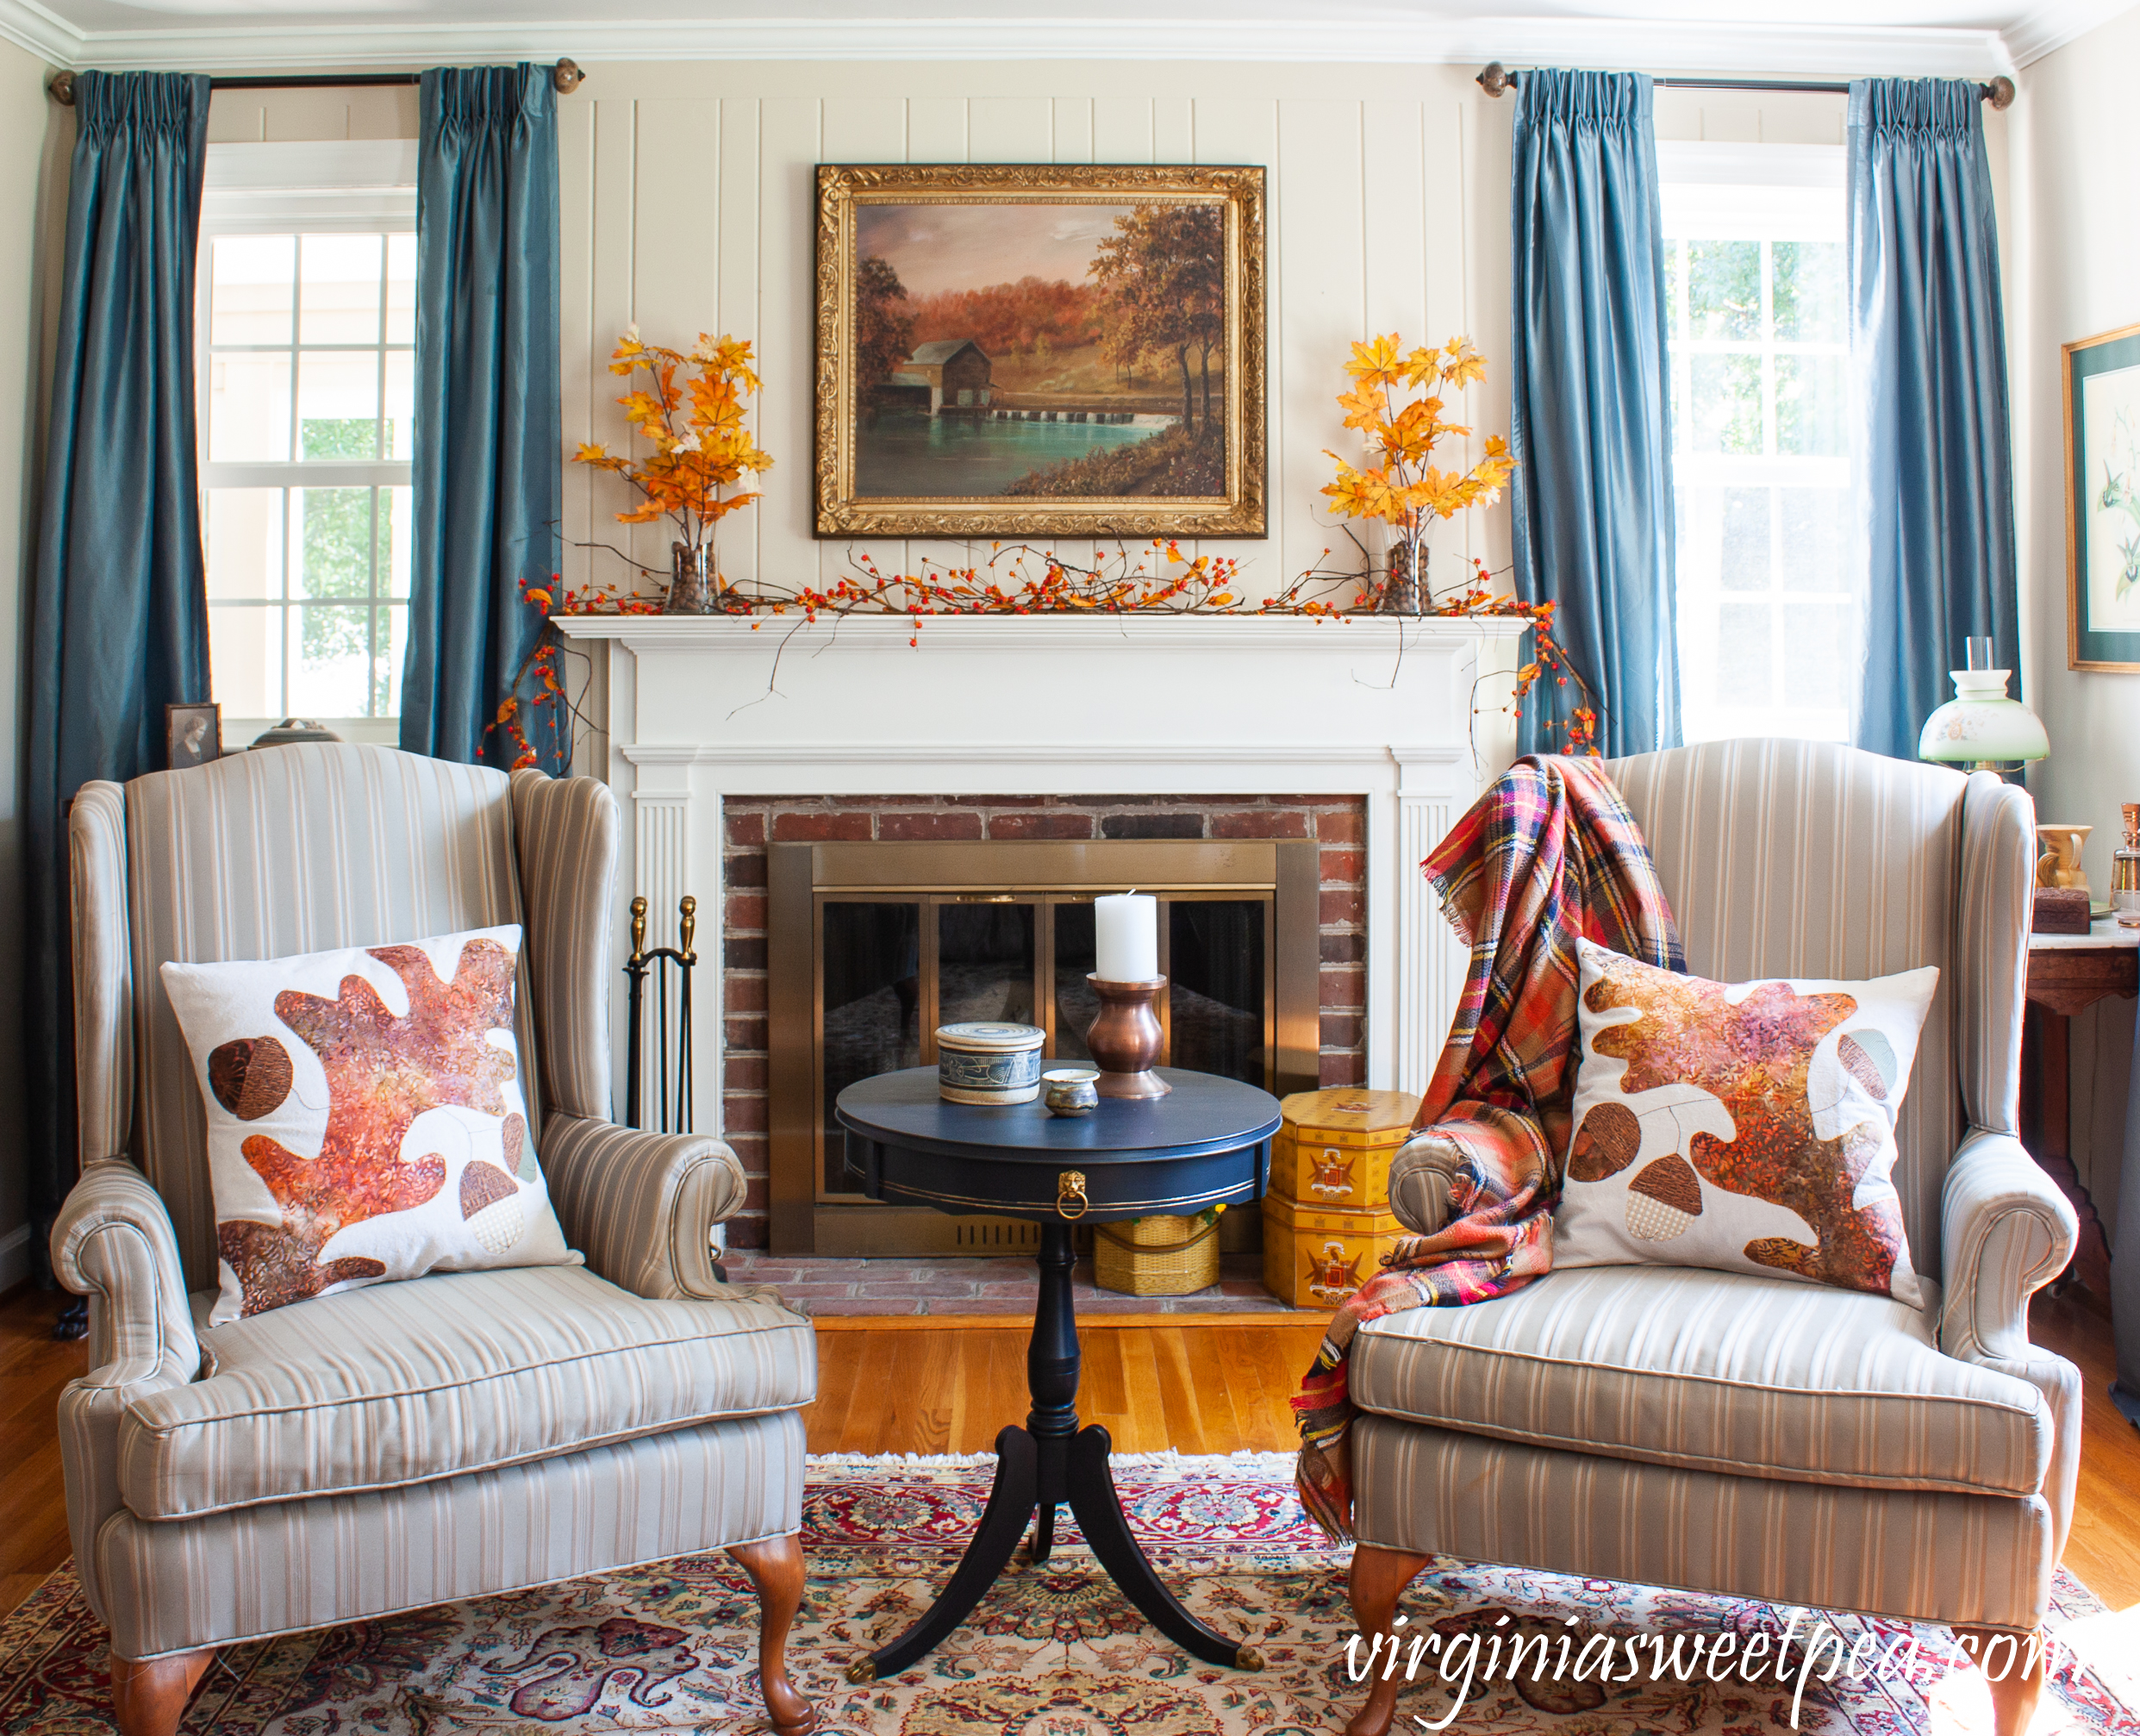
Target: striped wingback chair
x: 1763, y: 1437
x: 402, y: 1444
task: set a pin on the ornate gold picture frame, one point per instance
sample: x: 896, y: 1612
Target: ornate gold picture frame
x: 1016, y: 349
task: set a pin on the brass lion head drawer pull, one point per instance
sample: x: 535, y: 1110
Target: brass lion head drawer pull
x: 1070, y: 1190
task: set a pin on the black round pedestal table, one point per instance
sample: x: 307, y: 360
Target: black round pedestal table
x: 1207, y: 1143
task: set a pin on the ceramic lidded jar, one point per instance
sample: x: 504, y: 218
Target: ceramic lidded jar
x: 988, y: 1063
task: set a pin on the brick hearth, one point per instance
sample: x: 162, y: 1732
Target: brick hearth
x: 1339, y: 823
x: 818, y: 1286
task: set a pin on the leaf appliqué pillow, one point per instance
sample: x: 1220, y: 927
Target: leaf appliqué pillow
x: 365, y: 1120
x: 1741, y: 1127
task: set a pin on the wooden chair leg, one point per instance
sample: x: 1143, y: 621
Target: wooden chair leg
x: 150, y: 1695
x: 776, y: 1568
x: 1379, y: 1578
x: 2014, y: 1669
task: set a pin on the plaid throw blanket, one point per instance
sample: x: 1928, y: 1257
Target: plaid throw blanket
x: 1550, y: 854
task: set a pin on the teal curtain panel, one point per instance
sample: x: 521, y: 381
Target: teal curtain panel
x: 118, y: 624
x: 1590, y: 415
x: 1928, y: 346
x: 489, y: 435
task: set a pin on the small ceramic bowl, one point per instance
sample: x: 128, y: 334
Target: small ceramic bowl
x: 1070, y: 1091
x: 988, y: 1063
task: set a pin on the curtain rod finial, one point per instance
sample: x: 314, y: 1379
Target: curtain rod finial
x: 1999, y: 93
x: 567, y: 77
x: 1495, y: 78
x: 60, y: 89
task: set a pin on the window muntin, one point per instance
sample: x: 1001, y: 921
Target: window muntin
x: 307, y: 406
x: 1768, y: 617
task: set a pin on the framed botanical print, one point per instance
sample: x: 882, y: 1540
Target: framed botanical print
x: 1011, y: 350
x: 2102, y: 380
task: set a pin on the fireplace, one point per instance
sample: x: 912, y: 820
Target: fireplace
x: 725, y: 735
x: 872, y: 945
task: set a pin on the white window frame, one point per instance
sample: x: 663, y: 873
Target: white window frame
x: 1766, y: 193
x: 363, y: 186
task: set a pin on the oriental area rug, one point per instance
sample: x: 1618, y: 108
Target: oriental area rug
x: 1055, y: 1650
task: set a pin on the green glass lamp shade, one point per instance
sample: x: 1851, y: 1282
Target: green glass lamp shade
x: 1980, y: 726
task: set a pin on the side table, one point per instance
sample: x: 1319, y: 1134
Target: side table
x: 2068, y: 974
x: 1207, y: 1143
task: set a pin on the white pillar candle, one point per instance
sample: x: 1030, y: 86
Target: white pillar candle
x: 1126, y: 931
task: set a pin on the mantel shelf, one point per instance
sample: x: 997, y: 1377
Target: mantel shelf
x: 1153, y: 631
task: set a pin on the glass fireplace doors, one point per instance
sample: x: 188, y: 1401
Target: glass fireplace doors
x: 863, y: 974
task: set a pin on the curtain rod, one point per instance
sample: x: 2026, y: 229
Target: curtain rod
x: 566, y: 77
x: 1999, y: 93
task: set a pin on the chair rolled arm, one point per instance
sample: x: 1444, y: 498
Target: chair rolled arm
x: 2006, y: 1231
x: 1422, y: 1178
x: 113, y: 1243
x: 641, y: 1206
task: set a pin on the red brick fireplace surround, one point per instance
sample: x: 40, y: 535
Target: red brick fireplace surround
x: 1337, y: 823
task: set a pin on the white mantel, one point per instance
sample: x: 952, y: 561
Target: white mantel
x: 1068, y: 705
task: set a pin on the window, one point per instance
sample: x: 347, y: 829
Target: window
x: 307, y: 388
x: 1769, y: 619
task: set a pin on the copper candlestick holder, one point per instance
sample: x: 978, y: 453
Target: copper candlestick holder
x: 1125, y: 1040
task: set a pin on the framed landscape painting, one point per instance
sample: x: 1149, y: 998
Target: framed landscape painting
x: 2102, y: 380
x: 1040, y: 350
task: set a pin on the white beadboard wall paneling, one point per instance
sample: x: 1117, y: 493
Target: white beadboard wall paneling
x: 575, y: 328
x: 1323, y: 271
x: 609, y: 245
x: 691, y: 206
x: 936, y: 129
x: 867, y: 129
x: 387, y: 112
x: 790, y: 145
x: 736, y: 302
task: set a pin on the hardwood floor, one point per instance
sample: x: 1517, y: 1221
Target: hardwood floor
x: 1195, y: 1388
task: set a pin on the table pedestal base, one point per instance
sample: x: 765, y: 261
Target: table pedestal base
x: 1038, y: 1468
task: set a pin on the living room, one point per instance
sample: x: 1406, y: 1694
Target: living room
x: 1290, y: 854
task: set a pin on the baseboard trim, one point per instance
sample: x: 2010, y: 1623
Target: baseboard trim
x: 15, y: 1260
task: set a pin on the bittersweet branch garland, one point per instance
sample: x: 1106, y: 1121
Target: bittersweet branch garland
x: 1020, y: 579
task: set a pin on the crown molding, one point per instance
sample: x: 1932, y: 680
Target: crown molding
x: 2050, y: 26
x: 49, y: 37
x: 1822, y: 51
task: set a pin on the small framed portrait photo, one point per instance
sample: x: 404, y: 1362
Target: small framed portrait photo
x: 193, y: 734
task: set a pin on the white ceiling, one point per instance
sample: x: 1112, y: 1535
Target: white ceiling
x: 1830, y: 38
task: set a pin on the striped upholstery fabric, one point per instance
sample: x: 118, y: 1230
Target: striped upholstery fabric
x: 2009, y: 1232
x: 477, y: 1415
x: 1932, y: 1556
x: 566, y: 833
x: 113, y: 1243
x: 173, y: 1585
x: 1747, y: 1435
x: 1991, y: 964
x: 1714, y: 1371
x: 290, y: 849
x: 403, y: 1382
x: 638, y: 1205
x: 1804, y: 858
x: 104, y: 976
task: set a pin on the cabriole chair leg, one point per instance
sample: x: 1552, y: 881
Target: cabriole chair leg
x: 2013, y: 1666
x: 1379, y: 1578
x: 150, y: 1695
x: 776, y: 1568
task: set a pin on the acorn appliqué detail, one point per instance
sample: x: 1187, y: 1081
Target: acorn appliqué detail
x: 1664, y: 1200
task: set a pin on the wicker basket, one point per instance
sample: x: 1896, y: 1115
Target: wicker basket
x: 1156, y: 1256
